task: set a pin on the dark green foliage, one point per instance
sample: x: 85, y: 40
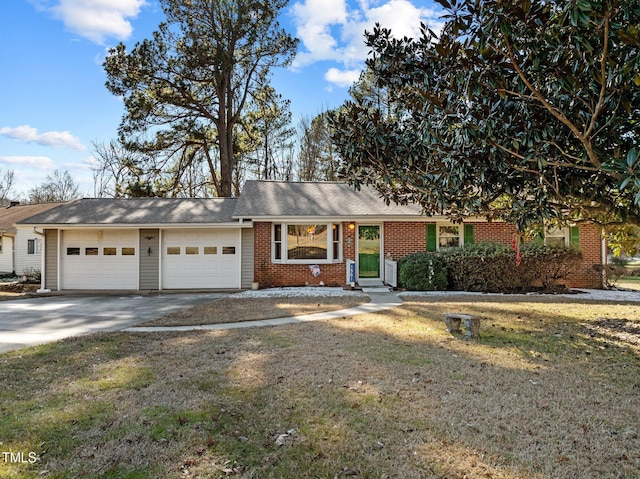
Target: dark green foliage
x: 547, y: 266
x: 489, y: 267
x: 519, y: 110
x: 422, y: 272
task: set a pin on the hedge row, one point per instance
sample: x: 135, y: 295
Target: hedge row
x: 489, y: 267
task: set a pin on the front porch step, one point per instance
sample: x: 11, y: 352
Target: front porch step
x: 367, y: 283
x: 376, y: 289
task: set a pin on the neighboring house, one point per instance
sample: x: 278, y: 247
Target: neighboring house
x: 276, y: 233
x: 20, y: 246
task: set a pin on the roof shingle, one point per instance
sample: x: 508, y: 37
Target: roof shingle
x: 323, y: 198
x: 14, y: 214
x: 139, y: 211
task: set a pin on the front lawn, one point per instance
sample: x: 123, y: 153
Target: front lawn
x: 551, y: 390
x: 233, y: 309
x: 629, y: 282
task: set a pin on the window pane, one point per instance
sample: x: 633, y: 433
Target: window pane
x: 228, y: 250
x: 556, y: 237
x: 555, y: 241
x: 31, y: 246
x: 277, y: 232
x: 128, y: 251
x: 210, y: 250
x: 91, y: 251
x: 277, y: 254
x: 191, y: 250
x: 307, y: 241
x: 73, y: 251
x: 449, y: 236
x: 173, y: 249
x: 109, y: 251
x: 336, y: 241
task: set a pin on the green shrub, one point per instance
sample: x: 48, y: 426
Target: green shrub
x: 489, y: 267
x: 422, y: 272
x: 486, y: 267
x: 546, y: 266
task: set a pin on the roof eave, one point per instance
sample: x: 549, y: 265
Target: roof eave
x: 226, y: 224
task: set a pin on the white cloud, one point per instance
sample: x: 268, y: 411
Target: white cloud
x: 96, y: 20
x: 38, y: 162
x: 334, y: 30
x: 28, y: 134
x: 342, y: 78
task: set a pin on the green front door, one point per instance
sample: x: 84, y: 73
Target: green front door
x: 369, y: 251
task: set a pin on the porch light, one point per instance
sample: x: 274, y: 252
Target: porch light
x: 352, y: 226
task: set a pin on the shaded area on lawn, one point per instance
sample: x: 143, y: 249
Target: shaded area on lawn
x: 379, y: 395
x: 231, y: 310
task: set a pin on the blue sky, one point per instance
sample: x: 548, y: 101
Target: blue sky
x: 53, y: 103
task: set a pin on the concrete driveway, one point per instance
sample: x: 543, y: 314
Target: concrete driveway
x: 31, y: 321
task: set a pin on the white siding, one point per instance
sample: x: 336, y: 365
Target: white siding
x: 247, y: 257
x: 24, y: 261
x: 6, y: 255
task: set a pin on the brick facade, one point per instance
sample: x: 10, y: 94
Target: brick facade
x: 401, y: 238
x: 268, y: 273
x: 591, y: 245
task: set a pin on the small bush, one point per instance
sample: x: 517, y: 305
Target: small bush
x: 486, y: 267
x: 422, y: 272
x: 549, y: 265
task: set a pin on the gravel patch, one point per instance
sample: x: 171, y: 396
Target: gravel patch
x: 590, y: 294
x: 293, y: 292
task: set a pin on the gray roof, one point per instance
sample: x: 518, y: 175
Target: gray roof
x: 138, y: 211
x: 323, y: 198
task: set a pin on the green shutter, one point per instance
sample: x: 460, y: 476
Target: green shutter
x: 469, y: 237
x: 431, y: 237
x: 574, y: 236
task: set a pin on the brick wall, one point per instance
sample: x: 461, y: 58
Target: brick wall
x: 404, y: 237
x: 591, y: 246
x: 268, y: 273
x: 494, y: 232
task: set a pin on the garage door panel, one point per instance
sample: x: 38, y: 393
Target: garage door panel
x: 207, y: 266
x: 100, y: 259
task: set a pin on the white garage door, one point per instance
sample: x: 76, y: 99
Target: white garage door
x: 193, y: 259
x: 100, y: 259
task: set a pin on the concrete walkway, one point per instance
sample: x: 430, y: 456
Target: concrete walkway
x: 379, y: 302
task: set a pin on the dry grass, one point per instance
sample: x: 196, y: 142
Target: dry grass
x: 551, y: 390
x: 17, y: 290
x: 231, y: 310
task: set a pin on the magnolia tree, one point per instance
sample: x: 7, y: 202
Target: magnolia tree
x: 519, y: 110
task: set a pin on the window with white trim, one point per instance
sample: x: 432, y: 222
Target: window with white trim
x: 556, y: 237
x: 568, y: 236
x: 306, y: 242
x: 448, y: 236
x: 33, y: 246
